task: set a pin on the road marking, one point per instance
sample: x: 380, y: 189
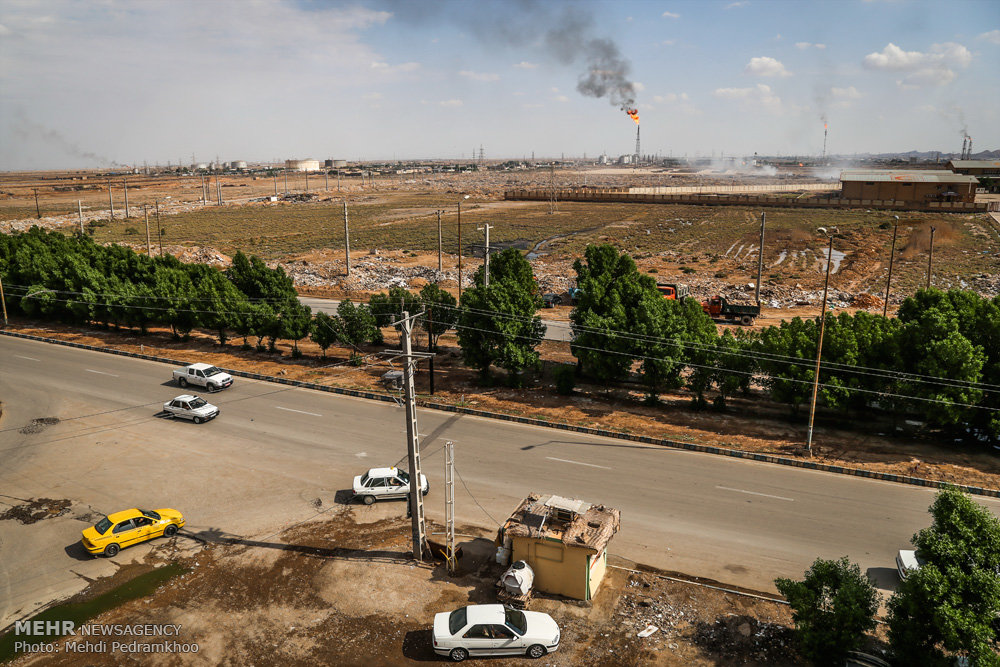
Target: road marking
x: 361, y: 455
x: 590, y: 465
x: 28, y: 358
x: 754, y: 493
x: 100, y: 372
x: 301, y: 412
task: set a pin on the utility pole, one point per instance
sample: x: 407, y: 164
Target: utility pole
x: 3, y: 301
x: 449, y: 504
x: 486, y: 255
x: 819, y: 351
x: 430, y: 344
x: 275, y: 176
x: 38, y: 211
x: 145, y: 214
x: 410, y: 359
x: 459, y: 251
x: 440, y: 265
x: 552, y: 188
x: 79, y: 210
x: 326, y: 176
x: 930, y: 258
x: 159, y: 232
x: 307, y: 181
x: 760, y: 258
x: 347, y: 241
x: 111, y: 202
x: 218, y: 188
x: 204, y: 191
x: 286, y: 181
x: 125, y: 185
x: 892, y: 255
x: 338, y: 180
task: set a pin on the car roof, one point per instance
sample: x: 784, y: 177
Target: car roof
x: 184, y: 397
x: 485, y: 613
x: 200, y: 366
x: 909, y: 559
x: 382, y: 472
x: 124, y: 515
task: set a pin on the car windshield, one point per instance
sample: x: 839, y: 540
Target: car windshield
x: 403, y: 476
x: 198, y: 403
x: 209, y: 372
x: 457, y: 620
x: 516, y: 620
x: 364, y: 479
x: 102, y: 526
x: 151, y: 514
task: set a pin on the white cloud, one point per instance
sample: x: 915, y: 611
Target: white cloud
x: 759, y: 96
x: 384, y: 67
x: 993, y: 36
x: 639, y: 86
x: 524, y: 64
x: 479, y: 76
x: 844, y: 97
x: 739, y: 3
x: 933, y: 68
x: 670, y: 15
x: 802, y: 46
x: 668, y: 42
x: 765, y: 66
x: 560, y: 98
x: 450, y: 103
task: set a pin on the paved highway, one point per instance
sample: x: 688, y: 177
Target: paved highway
x: 554, y: 329
x: 274, y: 451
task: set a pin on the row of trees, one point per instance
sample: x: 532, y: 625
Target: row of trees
x: 949, y: 607
x: 930, y: 360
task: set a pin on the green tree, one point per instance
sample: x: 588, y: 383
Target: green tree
x: 498, y: 324
x: 833, y: 608
x: 951, y: 602
x: 296, y: 323
x: 442, y: 312
x: 389, y: 307
x: 355, y: 326
x: 324, y: 332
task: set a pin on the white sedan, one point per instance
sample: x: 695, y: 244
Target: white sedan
x: 380, y: 483
x: 492, y: 629
x: 190, y: 407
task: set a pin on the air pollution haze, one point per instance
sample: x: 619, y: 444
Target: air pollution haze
x: 29, y: 129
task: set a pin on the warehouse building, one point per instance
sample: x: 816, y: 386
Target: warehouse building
x: 302, y: 165
x: 989, y: 168
x: 917, y: 186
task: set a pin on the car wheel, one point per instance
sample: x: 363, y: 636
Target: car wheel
x: 747, y: 320
x: 425, y: 491
x: 198, y: 420
x: 212, y: 388
x: 536, y: 651
x: 458, y: 654
x: 170, y: 530
x: 111, y: 550
x: 367, y: 500
x: 182, y: 382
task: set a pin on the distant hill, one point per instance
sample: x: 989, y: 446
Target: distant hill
x: 931, y: 155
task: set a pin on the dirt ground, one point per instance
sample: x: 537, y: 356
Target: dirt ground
x: 341, y: 589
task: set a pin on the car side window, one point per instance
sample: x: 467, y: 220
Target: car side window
x: 185, y: 406
x: 123, y: 526
x: 200, y: 374
x: 397, y: 482
x: 379, y: 483
x: 478, y: 632
x: 502, y: 632
x: 175, y: 404
x: 141, y: 522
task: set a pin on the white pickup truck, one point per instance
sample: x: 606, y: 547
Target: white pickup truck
x: 203, y: 375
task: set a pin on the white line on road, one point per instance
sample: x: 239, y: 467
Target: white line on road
x: 100, y: 372
x: 28, y: 358
x: 301, y: 412
x: 754, y: 493
x: 591, y: 465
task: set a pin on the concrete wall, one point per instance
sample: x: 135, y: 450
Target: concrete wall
x: 904, y: 191
x: 559, y: 569
x: 598, y: 567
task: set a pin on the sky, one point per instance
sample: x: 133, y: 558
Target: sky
x: 101, y: 83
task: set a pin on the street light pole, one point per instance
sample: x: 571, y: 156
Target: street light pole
x: 819, y: 351
x: 760, y: 258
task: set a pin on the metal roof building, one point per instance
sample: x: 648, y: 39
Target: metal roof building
x: 907, y: 185
x: 976, y: 167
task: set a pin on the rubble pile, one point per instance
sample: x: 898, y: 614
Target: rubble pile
x: 744, y: 639
x: 640, y: 608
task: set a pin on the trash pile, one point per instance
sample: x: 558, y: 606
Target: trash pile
x: 744, y: 639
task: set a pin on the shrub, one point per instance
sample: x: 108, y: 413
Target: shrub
x: 565, y: 378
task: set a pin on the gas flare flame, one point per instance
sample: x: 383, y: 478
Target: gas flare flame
x: 632, y: 113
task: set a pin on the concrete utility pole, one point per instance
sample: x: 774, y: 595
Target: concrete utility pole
x: 440, y: 265
x: 3, y: 301
x: 275, y: 175
x: 38, y: 211
x: 79, y: 209
x: 347, y: 241
x: 204, y: 191
x: 760, y: 257
x: 307, y: 181
x: 410, y: 359
x: 286, y: 182
x: 218, y: 187
x: 338, y: 180
x: 125, y: 185
x: 486, y: 255
x: 460, y: 248
x: 326, y: 177
x: 449, y: 504
x: 111, y: 202
x: 145, y: 214
x: 892, y: 255
x: 819, y: 351
x: 159, y: 232
x: 930, y: 258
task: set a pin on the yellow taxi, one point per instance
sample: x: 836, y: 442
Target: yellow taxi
x: 123, y: 529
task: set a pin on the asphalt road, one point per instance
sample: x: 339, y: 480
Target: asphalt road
x: 554, y: 329
x: 275, y: 454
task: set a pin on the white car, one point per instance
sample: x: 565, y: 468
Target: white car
x: 906, y: 562
x: 191, y: 407
x: 492, y: 629
x: 203, y: 375
x: 385, y: 483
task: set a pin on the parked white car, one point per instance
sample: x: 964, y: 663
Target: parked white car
x: 906, y: 562
x: 492, y: 629
x: 203, y: 375
x: 380, y: 483
x: 191, y: 407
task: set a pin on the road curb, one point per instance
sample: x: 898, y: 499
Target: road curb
x: 645, y: 439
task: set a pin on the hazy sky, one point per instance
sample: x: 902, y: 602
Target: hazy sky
x: 88, y: 84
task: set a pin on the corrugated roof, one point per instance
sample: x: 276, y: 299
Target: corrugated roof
x: 591, y: 528
x: 975, y: 164
x: 905, y: 176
